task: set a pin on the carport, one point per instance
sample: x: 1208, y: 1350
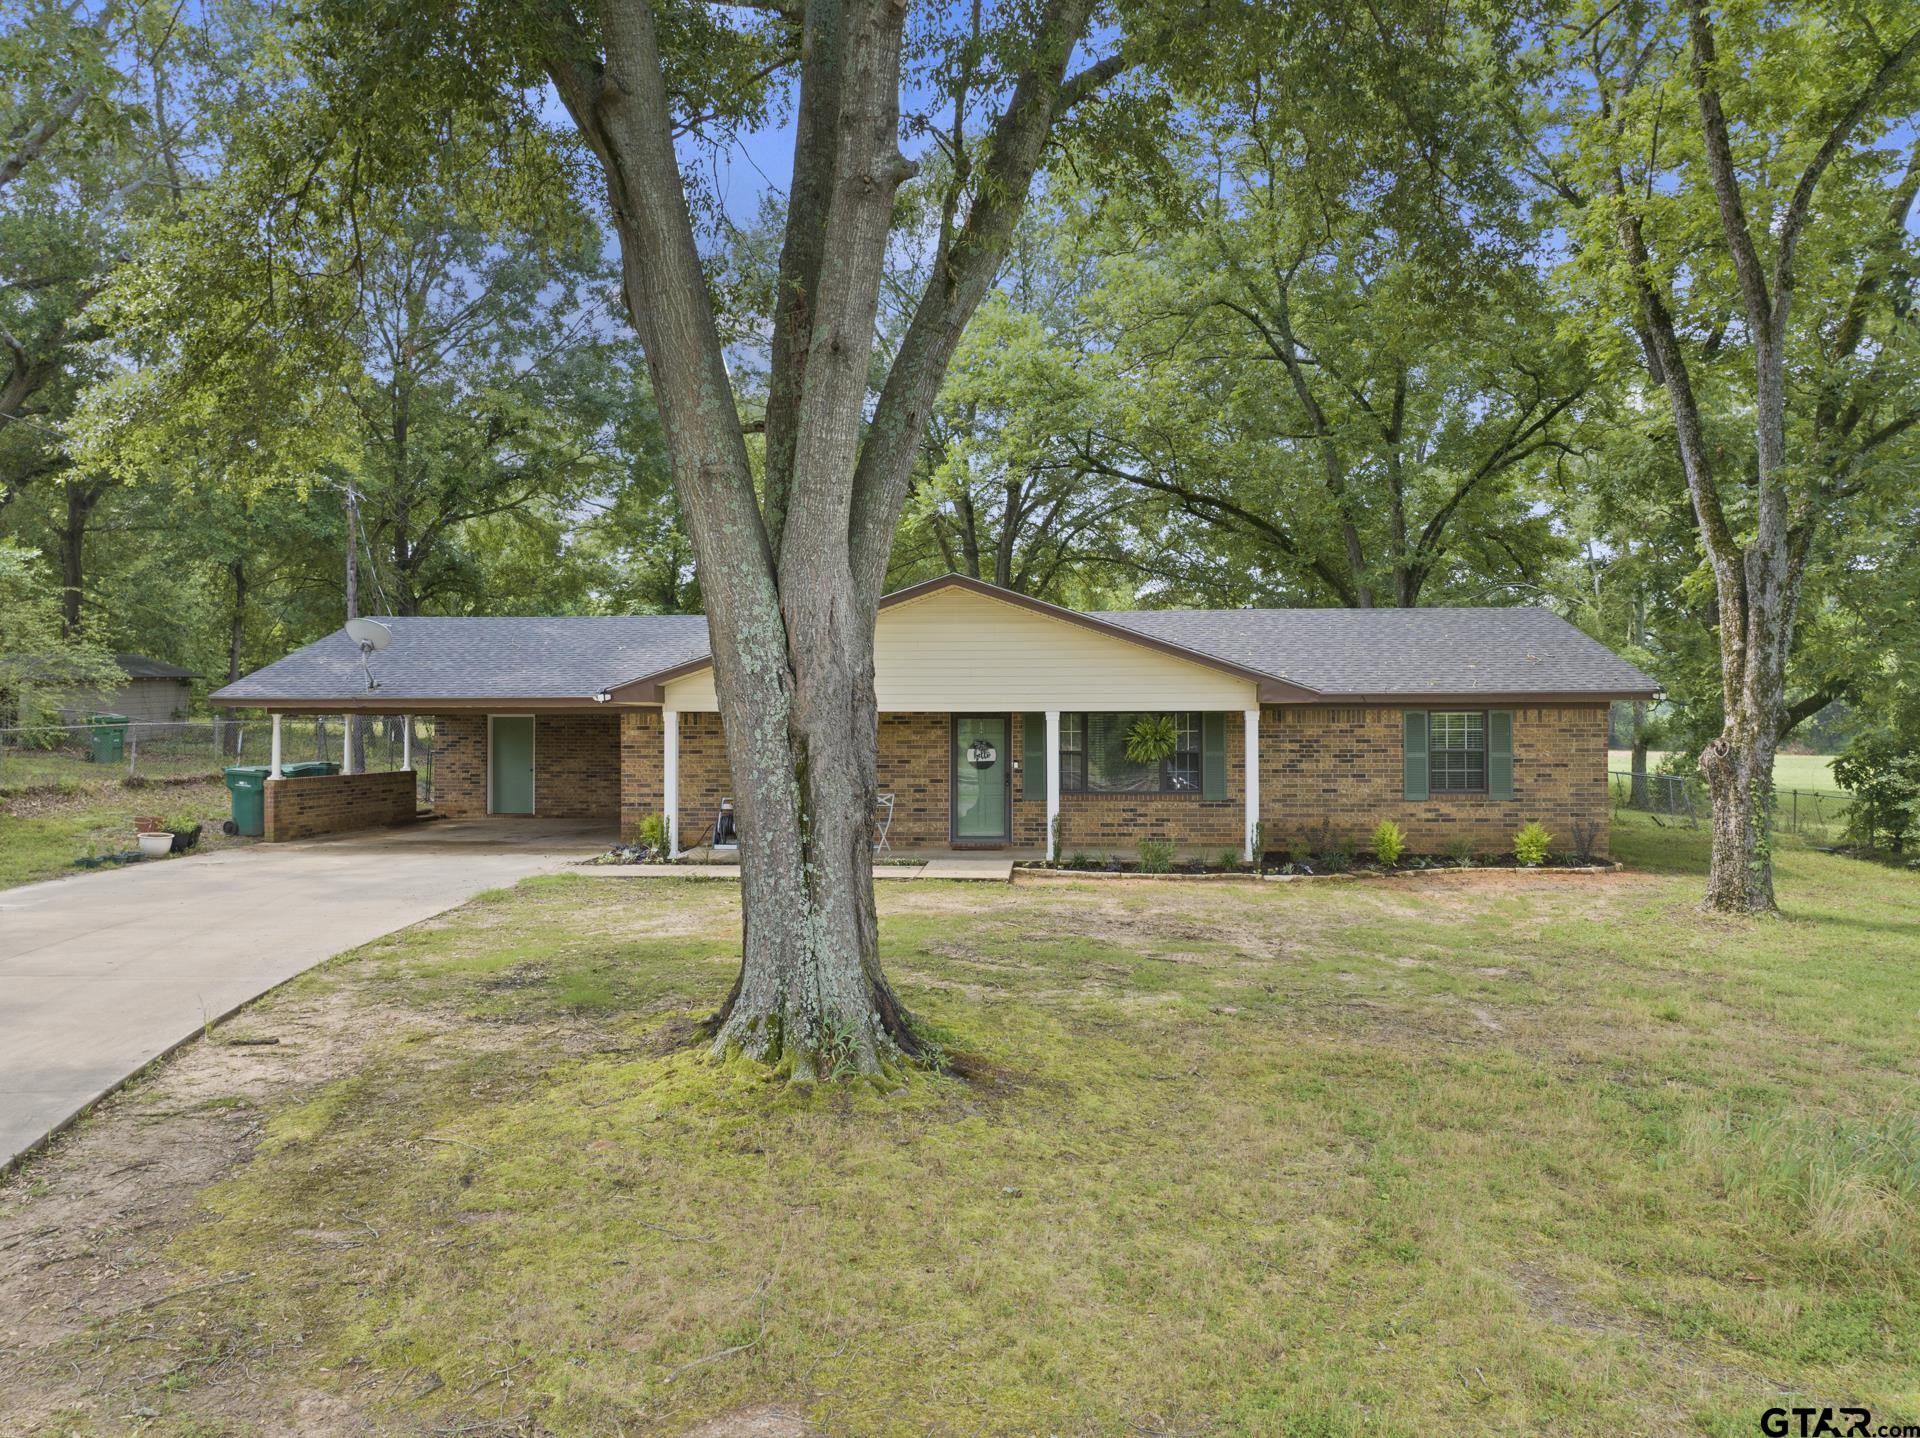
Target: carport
x: 525, y: 724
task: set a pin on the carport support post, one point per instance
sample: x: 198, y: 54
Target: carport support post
x: 346, y: 744
x: 670, y: 776
x: 1251, y: 764
x: 406, y: 741
x: 273, y: 763
x: 1053, y: 782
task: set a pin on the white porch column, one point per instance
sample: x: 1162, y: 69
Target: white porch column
x: 273, y: 762
x: 1252, y: 767
x: 346, y: 743
x: 406, y: 741
x: 1053, y: 781
x: 670, y: 775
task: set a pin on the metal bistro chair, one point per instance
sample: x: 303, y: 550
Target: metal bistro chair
x: 883, y: 818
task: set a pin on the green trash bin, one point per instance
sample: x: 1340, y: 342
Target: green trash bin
x: 307, y: 768
x: 247, y: 783
x: 107, y: 737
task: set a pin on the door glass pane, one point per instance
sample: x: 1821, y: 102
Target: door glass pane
x: 980, y: 777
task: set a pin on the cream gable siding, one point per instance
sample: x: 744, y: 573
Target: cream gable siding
x: 955, y: 650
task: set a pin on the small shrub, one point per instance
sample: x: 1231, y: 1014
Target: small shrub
x: 1586, y: 841
x: 1389, y: 842
x: 1229, y: 858
x: 1531, y: 843
x: 1156, y: 856
x: 1461, y: 852
x: 1335, y: 859
x: 651, y: 834
x: 1082, y: 861
x: 1883, y: 776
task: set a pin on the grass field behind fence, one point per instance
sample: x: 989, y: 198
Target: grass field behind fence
x: 1811, y: 773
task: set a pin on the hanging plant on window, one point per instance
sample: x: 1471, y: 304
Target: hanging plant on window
x: 1152, y: 738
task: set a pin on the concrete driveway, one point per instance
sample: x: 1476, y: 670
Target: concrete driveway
x: 102, y: 973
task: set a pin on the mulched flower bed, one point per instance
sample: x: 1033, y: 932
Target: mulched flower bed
x: 1283, y: 866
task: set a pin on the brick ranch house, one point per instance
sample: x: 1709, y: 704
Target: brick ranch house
x: 1004, y: 720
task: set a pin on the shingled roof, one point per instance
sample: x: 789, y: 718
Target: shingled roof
x: 140, y: 666
x: 564, y: 657
x: 1353, y: 654
x: 1400, y: 653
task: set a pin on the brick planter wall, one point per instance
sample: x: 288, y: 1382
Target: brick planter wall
x: 335, y: 803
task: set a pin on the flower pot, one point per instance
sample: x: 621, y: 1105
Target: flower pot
x: 146, y: 823
x: 185, y: 839
x: 155, y: 844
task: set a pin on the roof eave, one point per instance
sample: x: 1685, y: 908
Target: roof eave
x: 416, y: 704
x: 1515, y: 696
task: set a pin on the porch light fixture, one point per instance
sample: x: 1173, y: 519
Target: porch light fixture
x: 603, y: 696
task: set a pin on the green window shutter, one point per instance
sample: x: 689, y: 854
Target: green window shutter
x: 1500, y: 754
x: 1413, y: 756
x: 1033, y: 757
x: 1213, y: 756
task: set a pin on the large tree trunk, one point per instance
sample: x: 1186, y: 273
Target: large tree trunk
x: 791, y: 566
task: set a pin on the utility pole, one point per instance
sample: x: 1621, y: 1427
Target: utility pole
x: 356, y: 737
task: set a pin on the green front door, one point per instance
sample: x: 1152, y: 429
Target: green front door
x: 980, y: 772
x: 512, y: 763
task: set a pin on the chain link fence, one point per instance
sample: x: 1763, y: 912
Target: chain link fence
x: 88, y: 755
x: 1816, y: 816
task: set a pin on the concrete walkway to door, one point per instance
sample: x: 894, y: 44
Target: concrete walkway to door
x: 102, y: 973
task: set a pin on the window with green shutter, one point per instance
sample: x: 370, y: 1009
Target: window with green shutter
x: 1500, y: 753
x: 1033, y: 757
x: 1457, y: 752
x: 1413, y: 755
x: 1213, y: 756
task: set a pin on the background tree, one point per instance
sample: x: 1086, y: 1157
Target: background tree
x: 1741, y: 190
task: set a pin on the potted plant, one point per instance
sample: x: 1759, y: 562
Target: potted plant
x: 185, y: 831
x: 148, y: 823
x: 154, y: 843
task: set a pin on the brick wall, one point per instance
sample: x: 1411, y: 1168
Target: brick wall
x: 460, y: 765
x: 577, y: 770
x: 705, y: 778
x: 642, y: 752
x: 1343, y: 765
x: 576, y: 766
x: 1340, y: 765
x: 333, y: 803
x: 915, y: 765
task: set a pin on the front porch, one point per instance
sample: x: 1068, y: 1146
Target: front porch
x: 956, y: 784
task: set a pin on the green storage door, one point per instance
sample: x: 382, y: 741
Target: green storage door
x: 511, y: 764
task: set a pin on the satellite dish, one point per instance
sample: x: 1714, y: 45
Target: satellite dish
x: 372, y: 636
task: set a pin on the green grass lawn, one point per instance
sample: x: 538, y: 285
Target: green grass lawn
x: 1472, y: 1154
x: 1810, y: 773
x: 41, y: 834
